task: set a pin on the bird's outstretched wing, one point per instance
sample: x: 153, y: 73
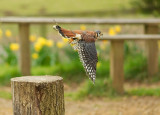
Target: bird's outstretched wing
x: 67, y: 33
x: 71, y: 34
x: 88, y: 56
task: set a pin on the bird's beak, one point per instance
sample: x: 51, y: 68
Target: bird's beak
x: 101, y: 35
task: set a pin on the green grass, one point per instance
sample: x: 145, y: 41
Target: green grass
x: 102, y: 88
x: 71, y: 72
x: 103, y: 91
x: 30, y: 7
x: 145, y: 92
x: 5, y: 95
x: 66, y: 8
x: 135, y: 68
x: 7, y: 72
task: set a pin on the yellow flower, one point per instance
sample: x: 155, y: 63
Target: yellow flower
x: 65, y: 40
x: 32, y: 38
x: 98, y: 64
x: 8, y: 33
x: 112, y: 32
x: 1, y: 33
x: 41, y: 41
x: 49, y: 43
x: 117, y: 28
x: 39, y: 44
x: 83, y: 27
x: 35, y: 55
x: 60, y: 44
x: 37, y: 47
x: 14, y: 46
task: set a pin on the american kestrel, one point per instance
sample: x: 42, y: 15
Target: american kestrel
x: 84, y: 43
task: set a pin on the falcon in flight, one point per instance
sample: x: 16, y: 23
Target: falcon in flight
x: 84, y: 43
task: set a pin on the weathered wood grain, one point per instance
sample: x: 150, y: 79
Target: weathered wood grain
x: 38, y: 95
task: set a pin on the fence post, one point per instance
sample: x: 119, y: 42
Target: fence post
x: 116, y: 65
x: 38, y: 95
x: 152, y: 50
x: 24, y: 49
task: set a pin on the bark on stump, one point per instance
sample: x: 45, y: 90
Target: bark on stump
x: 38, y: 95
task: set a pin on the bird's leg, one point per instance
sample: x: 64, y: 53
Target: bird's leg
x: 77, y: 36
x: 70, y: 40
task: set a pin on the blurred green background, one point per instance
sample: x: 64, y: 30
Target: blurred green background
x: 48, y: 48
x: 80, y: 8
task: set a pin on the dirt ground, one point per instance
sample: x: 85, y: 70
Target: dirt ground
x: 103, y: 106
x: 123, y: 106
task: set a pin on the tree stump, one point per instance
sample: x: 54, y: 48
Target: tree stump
x: 38, y: 95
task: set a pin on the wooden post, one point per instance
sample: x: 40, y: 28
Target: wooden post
x: 152, y: 50
x: 24, y: 49
x: 116, y: 65
x: 38, y: 95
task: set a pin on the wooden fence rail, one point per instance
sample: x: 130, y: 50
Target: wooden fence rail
x: 117, y: 54
x: 33, y: 20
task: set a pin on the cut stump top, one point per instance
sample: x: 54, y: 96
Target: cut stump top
x: 37, y: 79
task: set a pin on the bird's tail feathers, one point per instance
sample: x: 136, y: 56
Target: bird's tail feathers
x: 64, y: 32
x: 56, y: 27
x: 60, y: 30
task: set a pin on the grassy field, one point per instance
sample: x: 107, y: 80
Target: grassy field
x: 71, y: 8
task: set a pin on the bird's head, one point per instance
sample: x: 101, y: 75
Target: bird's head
x: 98, y: 34
x: 56, y: 27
